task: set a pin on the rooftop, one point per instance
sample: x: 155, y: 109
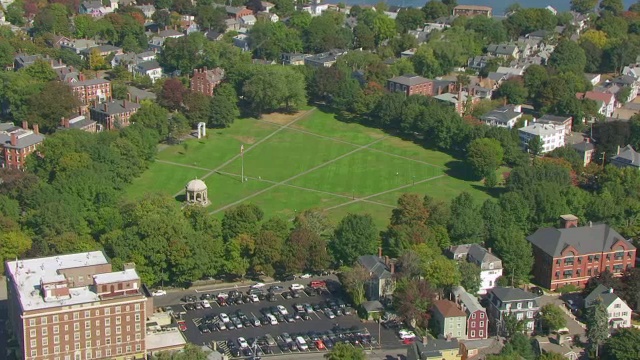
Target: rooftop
x: 603, y: 293
x: 116, y: 107
x: 90, y: 82
x: 596, y: 96
x: 470, y: 301
x: 512, y: 294
x: 113, y: 277
x: 627, y: 156
x: 540, y: 129
x: 148, y: 65
x: 448, y: 308
x: 25, y: 138
x: 375, y: 265
x: 473, y: 7
x: 409, y: 79
x: 585, y: 239
x: 584, y: 146
x: 432, y: 348
x: 27, y: 274
x: 552, y: 119
x: 503, y: 114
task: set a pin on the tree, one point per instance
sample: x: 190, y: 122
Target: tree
x: 568, y: 56
x: 468, y: 225
x: 597, y: 325
x: 153, y: 116
x: 56, y: 100
x: 235, y: 263
x: 624, y: 344
x: 197, y: 107
x: 54, y: 18
x: 413, y: 299
x: 596, y: 37
x: 469, y: 276
x: 516, y: 254
x: 15, y: 13
x: 622, y: 96
x: 344, y: 351
x: 535, y: 78
x: 354, y: 236
x: 583, y: 6
x: 242, y: 219
x: 353, y: 280
x: 435, y: 9
x: 211, y: 18
x: 172, y: 93
x: 484, y: 156
x: 552, y: 317
x: 535, y: 146
x: 512, y: 326
x: 325, y: 32
x: 615, y: 7
x: 13, y: 244
x: 409, y: 19
x: 162, y: 18
x: 41, y: 70
x: 268, y: 251
x: 224, y: 106
x: 273, y: 88
x: 384, y: 28
x: 513, y: 90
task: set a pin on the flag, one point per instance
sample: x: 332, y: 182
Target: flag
x: 242, y: 149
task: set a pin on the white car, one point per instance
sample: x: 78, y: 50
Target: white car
x: 243, y: 343
x: 282, y: 310
x: 272, y: 319
x: 206, y: 304
x: 305, y: 276
x: 224, y: 318
x: 254, y: 298
x: 257, y: 285
x: 406, y: 334
x: 159, y: 293
x: 296, y: 287
x: 223, y: 295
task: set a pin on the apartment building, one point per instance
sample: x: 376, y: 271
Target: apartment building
x: 551, y: 136
x: 205, y: 81
x: 573, y: 254
x: 505, y: 302
x: 449, y: 320
x: 477, y: 320
x: 114, y: 114
x: 75, y: 307
x: 17, y: 143
x: 91, y: 91
x: 489, y: 264
x: 472, y: 10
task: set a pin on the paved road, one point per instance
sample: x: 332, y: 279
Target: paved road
x: 575, y: 327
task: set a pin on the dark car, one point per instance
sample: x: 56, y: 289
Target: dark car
x: 283, y: 346
x: 206, y: 296
x: 286, y: 295
x: 267, y: 349
x: 295, y: 294
x: 264, y: 320
x: 289, y: 278
x: 536, y: 290
x: 204, y: 328
x: 235, y: 352
x: 310, y: 292
x: 275, y: 289
x: 272, y: 298
x: 305, y: 316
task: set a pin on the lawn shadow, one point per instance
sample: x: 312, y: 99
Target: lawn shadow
x: 181, y: 198
x: 493, y: 192
x: 459, y: 170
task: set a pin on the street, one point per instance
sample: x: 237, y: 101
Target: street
x: 575, y: 327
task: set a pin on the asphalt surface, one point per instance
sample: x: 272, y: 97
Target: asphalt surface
x: 318, y: 321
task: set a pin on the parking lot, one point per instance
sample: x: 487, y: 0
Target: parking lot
x: 314, y: 323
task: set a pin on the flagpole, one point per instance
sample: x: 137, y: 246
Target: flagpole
x: 242, y: 167
x: 242, y: 156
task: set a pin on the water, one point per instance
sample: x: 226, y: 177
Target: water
x: 498, y: 5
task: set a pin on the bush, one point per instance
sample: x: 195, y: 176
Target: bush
x: 568, y: 289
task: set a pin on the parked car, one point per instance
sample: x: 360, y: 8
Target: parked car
x: 224, y: 318
x: 296, y: 287
x: 282, y: 310
x: 257, y: 285
x: 275, y: 289
x: 286, y: 337
x: 182, y: 325
x: 206, y: 304
x: 536, y: 290
x: 302, y: 344
x: 295, y: 294
x: 305, y: 276
x: 272, y: 319
x: 406, y: 334
x: 159, y: 292
x: 242, y: 342
x: 254, y: 298
x: 317, y: 284
x: 269, y: 340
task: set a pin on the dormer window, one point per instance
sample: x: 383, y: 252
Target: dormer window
x: 530, y: 304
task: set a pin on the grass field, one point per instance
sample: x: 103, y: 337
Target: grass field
x: 307, y: 160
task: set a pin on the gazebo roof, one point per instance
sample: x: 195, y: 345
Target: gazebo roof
x: 196, y: 185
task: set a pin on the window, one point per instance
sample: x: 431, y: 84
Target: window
x: 107, y: 322
x: 56, y: 349
x: 519, y: 316
x: 530, y: 314
x: 138, y: 327
x: 56, y: 339
x: 128, y: 328
x: 87, y: 344
x: 76, y: 315
x: 98, y: 353
x: 45, y: 341
x: 519, y: 305
x: 137, y: 307
x: 56, y: 329
x: 473, y: 316
x: 76, y: 336
x: 34, y: 353
x: 127, y: 308
x: 473, y: 333
x: 481, y: 315
x: 76, y: 346
x: 138, y: 317
x: 118, y: 329
x: 44, y: 331
x: 118, y: 350
x: 138, y: 347
x: 107, y: 341
x: 530, y: 304
x: 568, y: 261
x: 107, y: 311
x: 119, y: 340
x: 481, y: 333
x: 87, y: 334
x: 107, y: 352
x: 616, y: 306
x: 32, y: 322
x: 118, y: 320
x: 481, y: 323
x: 87, y: 324
x: 118, y: 309
x: 43, y: 320
x: 34, y: 343
x: 139, y: 336
x: 624, y: 313
x: 76, y: 326
x: 107, y: 331
x: 87, y: 314
x: 32, y: 332
x: 619, y: 255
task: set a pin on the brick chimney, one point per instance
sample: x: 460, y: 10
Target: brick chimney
x: 392, y: 268
x: 129, y: 96
x: 137, y: 100
x: 124, y: 103
x: 105, y: 107
x: 568, y: 221
x: 62, y: 121
x: 379, y: 252
x: 36, y: 129
x: 587, y: 140
x: 80, y: 77
x: 14, y: 139
x: 25, y: 125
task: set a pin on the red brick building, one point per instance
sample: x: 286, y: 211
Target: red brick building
x: 237, y: 12
x: 472, y: 10
x: 573, y: 254
x: 79, y: 122
x: 114, y: 114
x: 418, y: 85
x: 75, y: 307
x: 16, y: 143
x: 91, y: 91
x: 205, y: 81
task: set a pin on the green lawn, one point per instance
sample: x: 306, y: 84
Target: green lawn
x: 339, y: 172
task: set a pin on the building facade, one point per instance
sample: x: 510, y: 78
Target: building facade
x: 17, y: 143
x: 505, y: 116
x: 79, y: 122
x: 74, y: 307
x: 551, y: 136
x: 472, y: 10
x: 618, y: 312
x: 92, y: 91
x: 477, y: 319
x: 381, y: 283
x: 489, y: 264
x: 626, y: 157
x: 449, y: 320
x: 573, y: 254
x: 205, y: 81
x: 411, y: 85
x: 505, y: 302
x: 114, y: 114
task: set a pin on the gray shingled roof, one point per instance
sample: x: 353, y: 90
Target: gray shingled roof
x: 409, y: 80
x: 502, y: 114
x: 433, y: 348
x: 512, y: 294
x: 116, y: 107
x: 585, y: 239
x: 23, y: 141
x: 469, y: 301
x: 627, y: 157
x: 374, y: 265
x: 90, y: 82
x: 148, y: 65
x: 601, y: 292
x: 502, y: 49
x: 552, y: 119
x: 584, y: 146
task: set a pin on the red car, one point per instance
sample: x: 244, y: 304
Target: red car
x: 408, y: 341
x: 182, y: 325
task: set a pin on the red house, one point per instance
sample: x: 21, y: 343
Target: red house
x: 573, y: 254
x: 477, y: 320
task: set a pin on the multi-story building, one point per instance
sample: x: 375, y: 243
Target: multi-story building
x: 411, y: 85
x: 505, y: 302
x: 16, y: 143
x: 490, y: 265
x: 586, y: 150
x: 449, y: 320
x: 205, y: 81
x: 551, y: 136
x: 606, y: 102
x: 114, y: 114
x: 477, y: 320
x: 573, y: 254
x: 381, y: 283
x: 505, y: 116
x: 564, y: 122
x: 79, y: 122
x: 76, y: 307
x: 472, y: 10
x: 91, y: 91
x: 618, y: 312
x: 434, y: 349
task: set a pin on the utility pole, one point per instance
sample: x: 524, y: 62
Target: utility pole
x: 603, y: 153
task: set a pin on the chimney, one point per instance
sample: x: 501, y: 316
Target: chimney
x: 587, y: 140
x: 425, y: 340
x: 14, y: 139
x: 386, y: 260
x: 62, y: 121
x: 129, y: 96
x: 392, y: 269
x: 489, y: 250
x: 25, y: 125
x: 618, y: 153
x: 560, y: 339
x: 137, y: 100
x: 124, y: 103
x: 66, y: 123
x: 590, y: 224
x: 129, y: 266
x: 80, y: 77
x: 36, y: 129
x: 105, y: 107
x: 568, y: 221
x: 610, y: 290
x: 379, y: 252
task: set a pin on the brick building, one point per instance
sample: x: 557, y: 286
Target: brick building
x: 16, y: 143
x: 573, y: 254
x: 91, y: 91
x: 205, y: 81
x: 477, y: 320
x: 114, y: 114
x: 79, y: 122
x: 472, y: 10
x: 75, y: 307
x: 418, y: 85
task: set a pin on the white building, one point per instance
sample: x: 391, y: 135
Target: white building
x: 552, y: 136
x: 490, y: 265
x: 151, y: 68
x: 504, y: 116
x: 618, y: 312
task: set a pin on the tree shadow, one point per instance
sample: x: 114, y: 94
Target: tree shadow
x: 494, y: 192
x: 181, y: 198
x: 459, y: 170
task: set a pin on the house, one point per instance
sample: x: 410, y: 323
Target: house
x: 169, y: 33
x: 557, y: 344
x: 325, y: 59
x: 606, y: 102
x: 114, y: 114
x: 477, y: 63
x: 17, y: 143
x: 381, y: 283
x: 564, y: 122
x: 511, y: 71
x: 579, y: 20
x: 67, y: 74
x: 96, y: 8
x: 232, y: 25
x: 237, y: 12
x: 267, y: 6
x: 472, y: 348
x: 102, y: 50
x: 131, y: 59
x: 618, y: 312
x: 504, y: 116
x: 156, y: 43
x: 411, y: 85
x: 573, y: 254
x: 472, y: 10
x: 148, y: 10
x: 79, y: 122
x: 273, y: 17
x: 408, y: 53
x: 23, y: 60
x: 476, y: 315
x: 205, y: 81
x: 489, y: 264
x: 248, y: 20
x: 594, y: 79
x: 497, y: 79
x: 448, y: 320
x: 505, y: 301
x: 626, y: 157
x: 315, y: 9
x: 91, y: 91
x: 551, y: 136
x: 480, y: 92
x: 503, y: 50
x: 77, y: 45
x: 241, y: 41
x: 55, y: 40
x: 293, y: 58
x: 624, y: 81
x: 632, y: 70
x: 459, y: 100
x: 586, y: 150
x: 434, y: 349
x: 149, y: 68
x: 213, y: 35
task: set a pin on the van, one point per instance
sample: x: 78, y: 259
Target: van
x: 302, y: 345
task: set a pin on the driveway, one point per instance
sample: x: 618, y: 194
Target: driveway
x: 574, y: 326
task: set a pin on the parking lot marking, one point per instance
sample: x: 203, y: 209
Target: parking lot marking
x: 316, y: 314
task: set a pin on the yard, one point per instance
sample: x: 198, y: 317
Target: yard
x: 308, y: 160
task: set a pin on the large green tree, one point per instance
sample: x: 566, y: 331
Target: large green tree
x: 273, y: 88
x: 597, y: 326
x: 583, y: 6
x: 467, y: 225
x: 552, y: 317
x: 344, y: 351
x: 568, y: 56
x: 624, y: 344
x: 484, y: 156
x: 354, y: 236
x: 516, y: 254
x: 224, y: 106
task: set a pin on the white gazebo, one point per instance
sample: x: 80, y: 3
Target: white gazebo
x: 196, y: 193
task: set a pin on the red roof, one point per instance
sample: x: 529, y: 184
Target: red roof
x: 596, y: 96
x: 448, y: 308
